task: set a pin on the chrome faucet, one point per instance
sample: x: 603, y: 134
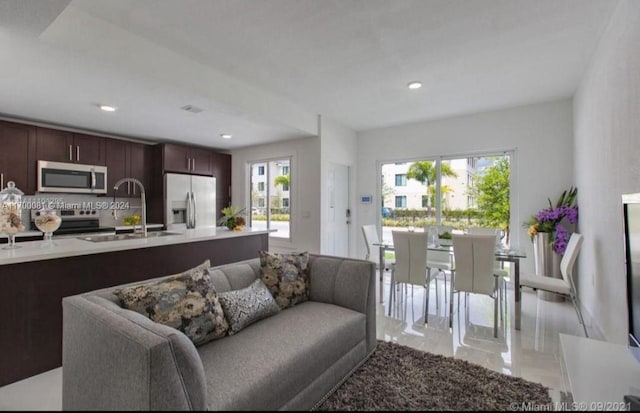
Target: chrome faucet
x: 142, y: 200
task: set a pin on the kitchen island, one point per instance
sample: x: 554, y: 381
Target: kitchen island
x: 35, y: 277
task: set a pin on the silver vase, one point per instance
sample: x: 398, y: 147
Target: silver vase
x: 547, y: 263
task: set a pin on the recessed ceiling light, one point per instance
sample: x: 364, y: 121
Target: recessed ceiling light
x: 414, y: 85
x: 225, y: 136
x: 107, y: 108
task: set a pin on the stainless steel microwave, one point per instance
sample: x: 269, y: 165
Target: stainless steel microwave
x: 71, y: 178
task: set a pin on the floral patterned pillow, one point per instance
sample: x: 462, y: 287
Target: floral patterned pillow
x: 286, y: 276
x: 186, y: 301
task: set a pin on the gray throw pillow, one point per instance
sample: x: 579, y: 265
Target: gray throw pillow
x: 248, y: 305
x: 185, y: 301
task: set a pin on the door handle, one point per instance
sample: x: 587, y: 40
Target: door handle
x: 195, y: 211
x: 194, y: 164
x: 78, y: 153
x: 188, y: 210
x: 1, y: 181
x: 93, y: 179
x: 71, y: 153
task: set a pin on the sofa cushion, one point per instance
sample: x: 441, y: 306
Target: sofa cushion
x: 235, y: 276
x: 248, y: 305
x: 185, y: 301
x: 286, y: 276
x: 270, y: 362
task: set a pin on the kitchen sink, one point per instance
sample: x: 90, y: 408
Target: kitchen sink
x: 121, y: 237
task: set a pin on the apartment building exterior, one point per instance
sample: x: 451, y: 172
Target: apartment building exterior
x: 264, y: 191
x: 400, y: 192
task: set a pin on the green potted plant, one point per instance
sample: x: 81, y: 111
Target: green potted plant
x: 233, y: 218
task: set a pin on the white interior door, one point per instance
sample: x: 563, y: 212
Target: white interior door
x: 338, y: 210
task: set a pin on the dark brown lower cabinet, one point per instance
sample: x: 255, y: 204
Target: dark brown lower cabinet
x: 32, y: 292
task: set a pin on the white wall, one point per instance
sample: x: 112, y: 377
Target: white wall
x: 607, y: 164
x: 305, y: 184
x: 541, y: 135
x: 338, y: 146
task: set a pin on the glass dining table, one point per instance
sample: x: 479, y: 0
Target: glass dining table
x: 502, y: 254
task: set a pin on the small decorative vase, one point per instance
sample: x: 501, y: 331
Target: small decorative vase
x: 10, y: 213
x: 48, y: 221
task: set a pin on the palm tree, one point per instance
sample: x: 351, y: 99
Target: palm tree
x: 425, y: 172
x: 444, y: 189
x: 283, y: 180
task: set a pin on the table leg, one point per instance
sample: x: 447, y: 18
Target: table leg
x: 517, y: 296
x: 382, y: 250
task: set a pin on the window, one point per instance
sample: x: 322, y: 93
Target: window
x: 268, y: 196
x: 401, y: 201
x: 462, y: 192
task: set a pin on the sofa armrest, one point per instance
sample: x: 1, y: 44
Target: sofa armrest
x: 116, y: 359
x: 346, y: 282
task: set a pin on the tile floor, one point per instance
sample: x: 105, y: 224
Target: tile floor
x: 532, y: 353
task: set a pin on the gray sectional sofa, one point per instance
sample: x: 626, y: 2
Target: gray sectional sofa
x: 116, y: 359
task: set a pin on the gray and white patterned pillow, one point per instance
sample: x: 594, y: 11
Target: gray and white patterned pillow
x: 248, y: 305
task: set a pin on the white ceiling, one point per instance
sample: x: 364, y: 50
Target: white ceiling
x: 262, y: 70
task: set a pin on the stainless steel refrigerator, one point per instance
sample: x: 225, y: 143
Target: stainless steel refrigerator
x: 191, y: 201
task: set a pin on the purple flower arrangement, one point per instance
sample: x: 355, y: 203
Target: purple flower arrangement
x: 549, y: 220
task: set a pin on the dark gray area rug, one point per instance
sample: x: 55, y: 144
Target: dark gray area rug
x: 397, y: 377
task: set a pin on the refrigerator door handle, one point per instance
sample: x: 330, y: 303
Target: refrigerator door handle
x: 194, y: 212
x: 188, y: 210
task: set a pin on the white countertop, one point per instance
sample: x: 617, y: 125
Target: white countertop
x: 71, y: 247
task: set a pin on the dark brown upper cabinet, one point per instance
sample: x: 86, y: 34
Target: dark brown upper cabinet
x: 128, y: 160
x: 185, y: 159
x: 62, y: 146
x: 16, y: 164
x: 221, y: 167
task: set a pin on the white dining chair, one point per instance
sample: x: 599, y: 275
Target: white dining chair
x: 441, y: 261
x: 410, y: 267
x: 562, y: 286
x: 498, y: 265
x: 370, y: 233
x: 474, y: 271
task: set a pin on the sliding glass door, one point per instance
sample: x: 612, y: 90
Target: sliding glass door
x: 461, y: 192
x: 271, y: 196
